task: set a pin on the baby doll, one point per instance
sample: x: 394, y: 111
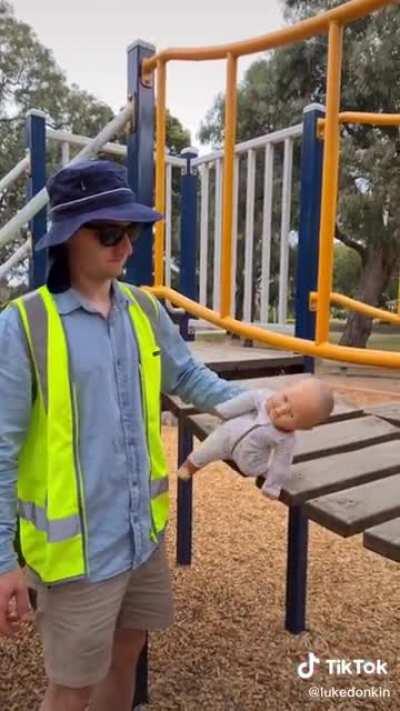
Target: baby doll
x: 259, y: 432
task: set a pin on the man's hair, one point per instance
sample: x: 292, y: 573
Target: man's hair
x: 58, y: 278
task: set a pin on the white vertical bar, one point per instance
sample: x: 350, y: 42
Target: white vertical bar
x: 168, y: 220
x: 217, y: 234
x: 266, y: 232
x: 249, y: 235
x: 65, y: 157
x: 204, y: 187
x: 285, y: 226
x: 234, y: 234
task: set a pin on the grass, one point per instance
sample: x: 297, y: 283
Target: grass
x: 377, y: 341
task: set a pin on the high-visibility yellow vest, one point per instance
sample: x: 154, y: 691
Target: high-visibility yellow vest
x: 51, y: 501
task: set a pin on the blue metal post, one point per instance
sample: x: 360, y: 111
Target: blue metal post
x: 185, y: 499
x: 188, y: 286
x: 188, y: 252
x: 140, y: 158
x: 141, y: 179
x: 35, y: 132
x: 307, y: 272
x: 310, y: 203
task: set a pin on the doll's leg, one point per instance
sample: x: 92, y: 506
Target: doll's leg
x: 216, y: 446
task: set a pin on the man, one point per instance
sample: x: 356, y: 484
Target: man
x: 82, y: 363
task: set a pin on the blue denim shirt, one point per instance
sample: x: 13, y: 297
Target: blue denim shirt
x: 113, y: 453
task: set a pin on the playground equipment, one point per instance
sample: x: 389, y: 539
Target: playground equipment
x: 314, y: 277
x: 311, y: 339
x: 332, y: 22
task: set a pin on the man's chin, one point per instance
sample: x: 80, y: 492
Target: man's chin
x: 115, y: 270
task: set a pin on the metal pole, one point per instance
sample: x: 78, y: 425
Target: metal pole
x: 140, y: 158
x: 140, y: 267
x: 330, y: 181
x: 185, y: 498
x: 307, y: 270
x: 296, y: 572
x: 36, y: 144
x: 310, y: 208
x: 188, y: 281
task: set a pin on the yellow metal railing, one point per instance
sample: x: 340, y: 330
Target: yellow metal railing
x: 353, y: 305
x: 331, y: 22
x: 346, y: 354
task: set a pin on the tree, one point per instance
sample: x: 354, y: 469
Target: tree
x: 31, y: 78
x: 178, y: 137
x: 273, y: 94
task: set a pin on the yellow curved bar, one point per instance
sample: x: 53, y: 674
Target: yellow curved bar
x: 359, y: 306
x: 160, y: 172
x: 227, y: 198
x: 330, y: 173
x: 343, y: 14
x: 364, y: 117
x: 362, y: 356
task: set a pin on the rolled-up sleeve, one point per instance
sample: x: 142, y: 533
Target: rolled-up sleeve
x: 184, y: 375
x: 15, y: 410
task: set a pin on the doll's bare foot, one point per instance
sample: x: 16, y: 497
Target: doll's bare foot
x: 184, y: 473
x: 186, y: 470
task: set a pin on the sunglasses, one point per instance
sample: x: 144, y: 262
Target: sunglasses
x: 109, y: 234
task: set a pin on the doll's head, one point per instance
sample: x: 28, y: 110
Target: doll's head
x: 300, y: 406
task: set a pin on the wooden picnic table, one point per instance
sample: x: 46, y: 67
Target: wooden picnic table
x: 346, y: 477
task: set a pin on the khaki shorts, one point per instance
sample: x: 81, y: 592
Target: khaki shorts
x: 77, y: 620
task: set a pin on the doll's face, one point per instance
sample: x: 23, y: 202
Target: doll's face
x: 299, y: 407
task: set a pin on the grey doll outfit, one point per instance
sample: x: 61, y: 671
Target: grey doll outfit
x: 249, y: 438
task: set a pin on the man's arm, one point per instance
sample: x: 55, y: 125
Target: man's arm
x: 15, y: 410
x: 185, y: 376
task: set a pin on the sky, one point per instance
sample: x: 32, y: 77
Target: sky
x: 89, y: 40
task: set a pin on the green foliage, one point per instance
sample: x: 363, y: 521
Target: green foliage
x: 30, y: 78
x: 347, y: 270
x: 178, y: 137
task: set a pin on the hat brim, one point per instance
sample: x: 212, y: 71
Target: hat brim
x: 63, y: 228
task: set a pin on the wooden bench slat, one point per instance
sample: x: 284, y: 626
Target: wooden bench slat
x: 384, y: 539
x: 341, y: 471
x: 322, y: 441
x: 389, y: 411
x: 353, y: 510
x: 343, y: 436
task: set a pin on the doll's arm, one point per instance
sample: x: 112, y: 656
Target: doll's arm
x: 278, y: 473
x: 244, y: 403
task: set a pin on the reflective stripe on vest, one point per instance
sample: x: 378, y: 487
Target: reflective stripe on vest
x: 56, y: 530
x: 50, y: 487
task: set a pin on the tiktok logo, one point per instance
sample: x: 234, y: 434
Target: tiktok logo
x: 306, y: 669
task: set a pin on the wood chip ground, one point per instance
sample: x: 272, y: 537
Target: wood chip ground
x: 228, y: 649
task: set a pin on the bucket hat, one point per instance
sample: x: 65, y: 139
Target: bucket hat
x: 91, y: 190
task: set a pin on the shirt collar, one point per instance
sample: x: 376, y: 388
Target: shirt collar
x: 71, y: 300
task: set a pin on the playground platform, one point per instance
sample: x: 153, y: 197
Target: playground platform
x: 231, y: 359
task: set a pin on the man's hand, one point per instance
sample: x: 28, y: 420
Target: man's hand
x: 14, y: 601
